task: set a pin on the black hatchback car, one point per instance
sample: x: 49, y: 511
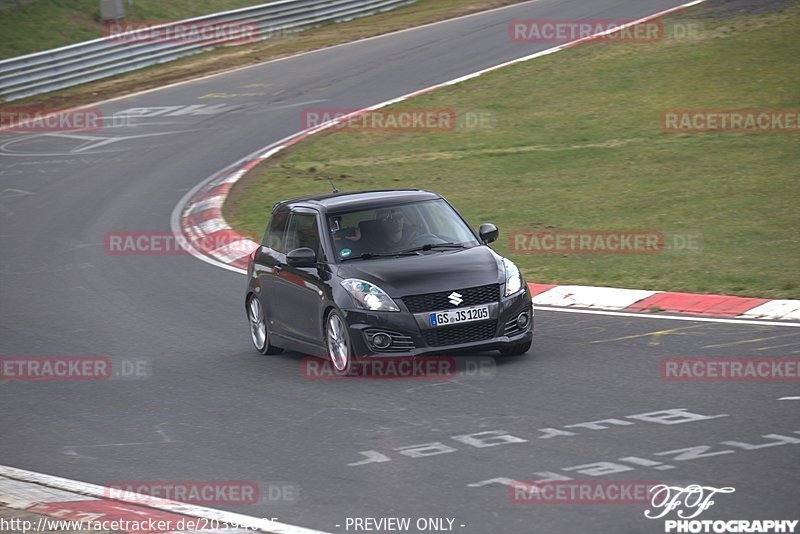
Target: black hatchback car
x: 382, y: 273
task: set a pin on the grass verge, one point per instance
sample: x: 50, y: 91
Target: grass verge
x: 226, y: 58
x: 577, y: 144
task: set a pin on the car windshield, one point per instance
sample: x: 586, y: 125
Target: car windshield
x: 400, y: 229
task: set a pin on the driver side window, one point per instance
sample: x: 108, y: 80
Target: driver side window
x: 303, y: 232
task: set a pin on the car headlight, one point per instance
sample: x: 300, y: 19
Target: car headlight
x: 513, y: 277
x: 369, y: 295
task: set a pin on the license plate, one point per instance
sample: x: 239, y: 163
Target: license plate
x: 465, y: 315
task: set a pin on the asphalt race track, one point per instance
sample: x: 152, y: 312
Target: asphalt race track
x: 213, y: 409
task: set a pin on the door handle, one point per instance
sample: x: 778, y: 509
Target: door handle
x: 278, y: 269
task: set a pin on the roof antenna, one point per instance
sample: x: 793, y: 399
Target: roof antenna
x: 335, y: 189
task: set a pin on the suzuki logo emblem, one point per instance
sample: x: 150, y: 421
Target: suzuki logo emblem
x: 455, y: 298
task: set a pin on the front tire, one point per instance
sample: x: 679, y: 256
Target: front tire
x: 337, y: 341
x: 259, y: 331
x: 516, y: 350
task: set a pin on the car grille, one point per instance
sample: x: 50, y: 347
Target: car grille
x: 439, y: 301
x: 454, y: 335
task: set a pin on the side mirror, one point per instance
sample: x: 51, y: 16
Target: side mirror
x: 488, y: 232
x: 302, y: 257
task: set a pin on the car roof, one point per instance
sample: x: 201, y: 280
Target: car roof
x: 355, y: 200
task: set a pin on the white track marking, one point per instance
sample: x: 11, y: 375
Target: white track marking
x: 670, y: 317
x: 789, y: 309
x: 209, y: 203
x: 789, y: 398
x: 100, y: 492
x: 586, y: 297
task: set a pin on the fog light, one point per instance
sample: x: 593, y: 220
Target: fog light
x: 381, y: 340
x: 522, y: 320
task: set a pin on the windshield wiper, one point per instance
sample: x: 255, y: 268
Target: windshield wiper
x: 430, y: 246
x: 372, y: 255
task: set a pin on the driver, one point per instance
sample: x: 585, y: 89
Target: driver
x: 398, y: 232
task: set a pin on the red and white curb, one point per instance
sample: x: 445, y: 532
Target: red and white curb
x: 637, y: 300
x: 69, y: 500
x: 198, y: 220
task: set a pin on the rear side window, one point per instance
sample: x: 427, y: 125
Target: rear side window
x: 273, y: 238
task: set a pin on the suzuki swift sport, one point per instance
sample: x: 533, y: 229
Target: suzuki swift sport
x: 382, y: 273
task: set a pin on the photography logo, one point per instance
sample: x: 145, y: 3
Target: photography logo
x: 690, y: 502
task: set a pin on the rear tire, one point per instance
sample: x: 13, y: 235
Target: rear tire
x: 516, y: 350
x: 259, y: 331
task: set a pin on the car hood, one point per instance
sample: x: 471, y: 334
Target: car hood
x: 430, y: 272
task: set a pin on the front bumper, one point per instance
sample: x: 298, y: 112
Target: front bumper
x: 411, y: 338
